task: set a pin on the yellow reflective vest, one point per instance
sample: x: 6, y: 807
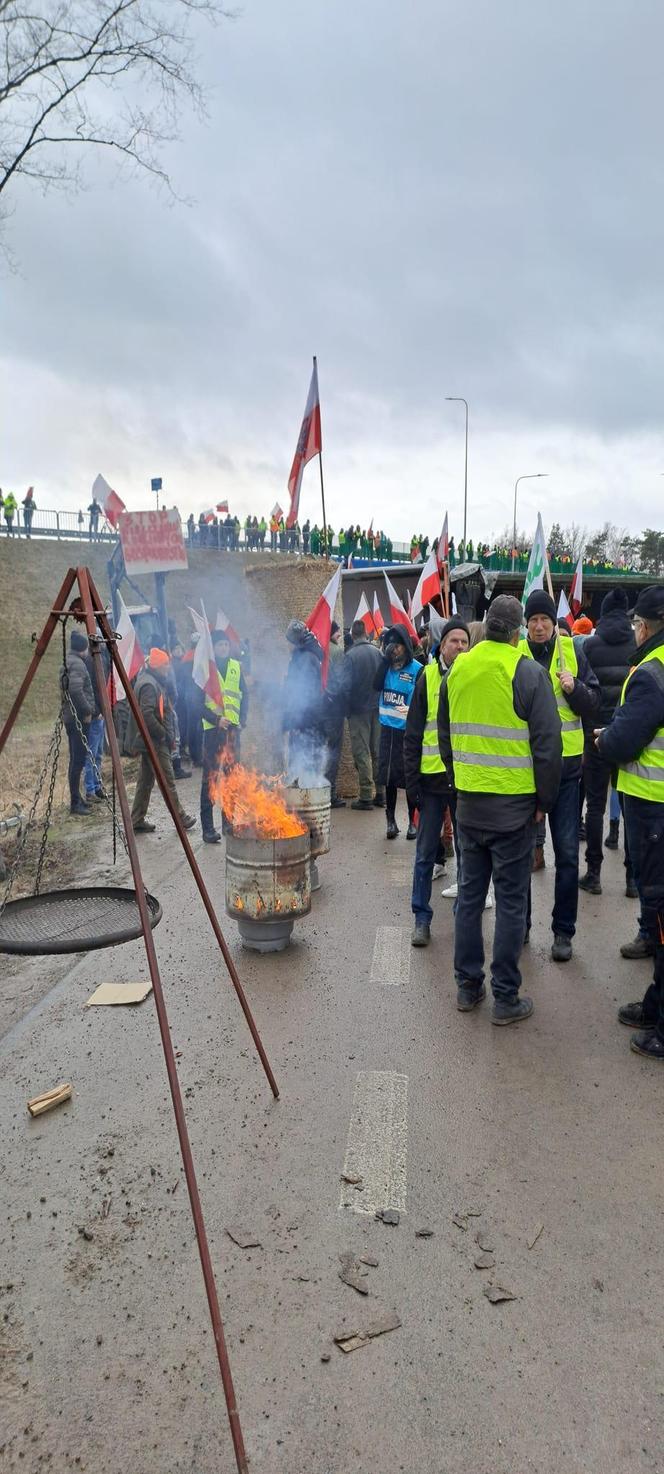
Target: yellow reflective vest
x: 431, y: 760
x: 571, y: 725
x: 490, y: 743
x: 230, y: 698
x: 644, y: 778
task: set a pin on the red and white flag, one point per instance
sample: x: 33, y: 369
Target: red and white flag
x: 363, y: 612
x: 379, y: 622
x: 576, y: 591
x: 277, y: 511
x: 112, y: 503
x: 443, y: 549
x: 130, y: 652
x: 370, y: 528
x: 320, y: 619
x: 204, y: 670
x: 564, y: 611
x: 222, y: 507
x: 223, y: 623
x: 428, y: 587
x: 310, y: 443
x: 398, y: 614
x: 209, y: 515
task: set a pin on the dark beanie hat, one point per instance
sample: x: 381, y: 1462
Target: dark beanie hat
x: 539, y: 602
x: 615, y: 599
x: 650, y: 603
x: 455, y: 623
x: 78, y: 640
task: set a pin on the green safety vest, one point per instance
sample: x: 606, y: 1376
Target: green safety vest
x: 490, y: 743
x: 230, y: 698
x: 431, y: 760
x: 645, y: 777
x: 571, y: 725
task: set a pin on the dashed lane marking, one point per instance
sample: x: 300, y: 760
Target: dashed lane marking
x: 376, y: 1149
x: 391, y: 956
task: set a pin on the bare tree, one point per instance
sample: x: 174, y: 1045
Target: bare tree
x: 109, y: 74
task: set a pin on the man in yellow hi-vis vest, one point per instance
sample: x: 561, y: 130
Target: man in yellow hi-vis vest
x: 499, y: 733
x: 223, y: 717
x: 428, y: 783
x: 577, y: 693
x: 634, y: 740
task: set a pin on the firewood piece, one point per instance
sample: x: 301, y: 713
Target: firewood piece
x: 49, y: 1098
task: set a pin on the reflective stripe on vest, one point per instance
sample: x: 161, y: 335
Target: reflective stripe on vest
x: 431, y: 760
x: 644, y: 778
x: 489, y: 756
x: 571, y: 725
x: 230, y: 698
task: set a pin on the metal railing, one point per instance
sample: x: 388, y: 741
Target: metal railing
x: 45, y: 523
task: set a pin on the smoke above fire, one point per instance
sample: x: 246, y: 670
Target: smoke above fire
x: 254, y: 804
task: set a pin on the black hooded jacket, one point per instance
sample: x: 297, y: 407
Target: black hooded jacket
x: 397, y: 633
x: 610, y: 653
x: 303, y: 688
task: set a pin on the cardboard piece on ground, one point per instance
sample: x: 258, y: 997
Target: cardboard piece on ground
x: 50, y: 1098
x: 109, y: 993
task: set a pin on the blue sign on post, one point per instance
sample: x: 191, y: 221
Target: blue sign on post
x: 155, y: 483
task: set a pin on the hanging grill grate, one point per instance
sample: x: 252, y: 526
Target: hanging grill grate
x: 81, y: 920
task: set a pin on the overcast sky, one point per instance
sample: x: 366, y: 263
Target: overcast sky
x: 436, y: 199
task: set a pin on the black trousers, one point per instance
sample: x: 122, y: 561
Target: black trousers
x: 77, y: 756
x: 215, y: 742
x: 597, y: 779
x: 644, y: 822
x: 391, y: 792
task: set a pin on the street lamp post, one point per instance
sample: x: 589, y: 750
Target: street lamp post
x: 457, y: 399
x: 532, y: 476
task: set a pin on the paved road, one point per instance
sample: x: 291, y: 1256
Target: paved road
x: 105, y: 1352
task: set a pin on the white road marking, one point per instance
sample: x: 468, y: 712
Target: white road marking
x: 376, y: 1149
x: 391, y: 956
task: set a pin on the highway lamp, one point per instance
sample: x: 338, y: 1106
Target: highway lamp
x: 531, y: 476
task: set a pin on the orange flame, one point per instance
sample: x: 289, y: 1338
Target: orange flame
x: 254, y: 804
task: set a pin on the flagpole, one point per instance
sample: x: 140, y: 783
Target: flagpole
x: 446, y: 589
x: 320, y: 466
x: 561, y: 658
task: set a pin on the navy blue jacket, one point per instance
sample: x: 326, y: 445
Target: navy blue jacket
x: 642, y: 714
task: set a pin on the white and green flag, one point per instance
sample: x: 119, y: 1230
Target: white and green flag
x: 537, y: 564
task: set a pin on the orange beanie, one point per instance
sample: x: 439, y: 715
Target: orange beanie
x: 157, y: 657
x: 582, y: 626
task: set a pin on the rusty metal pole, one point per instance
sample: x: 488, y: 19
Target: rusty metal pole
x: 41, y: 648
x: 102, y: 620
x: 91, y: 617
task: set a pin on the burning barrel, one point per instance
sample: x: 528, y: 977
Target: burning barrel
x: 267, y: 887
x: 312, y: 805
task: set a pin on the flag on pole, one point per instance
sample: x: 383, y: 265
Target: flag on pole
x: 209, y: 515
x: 320, y: 619
x: 112, y: 503
x: 129, y: 650
x: 277, y: 511
x: 378, y: 620
x: 428, y: 587
x: 370, y: 528
x: 409, y: 603
x: 576, y: 591
x: 537, y: 563
x: 222, y: 507
x: 398, y: 614
x: 204, y: 670
x: 564, y: 612
x: 443, y: 549
x: 310, y: 443
x: 223, y: 623
x: 363, y: 612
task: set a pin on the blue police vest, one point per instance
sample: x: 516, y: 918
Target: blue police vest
x: 397, y: 694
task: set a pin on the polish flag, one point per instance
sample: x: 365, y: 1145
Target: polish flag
x: 209, y: 515
x: 363, y: 612
x: 130, y: 652
x: 320, y: 619
x: 428, y: 587
x: 204, y: 670
x: 222, y: 507
x: 379, y: 622
x: 370, y: 528
x: 398, y: 614
x: 564, y: 611
x: 112, y: 503
x: 443, y: 549
x: 223, y: 623
x: 310, y: 443
x: 277, y: 511
x: 576, y: 591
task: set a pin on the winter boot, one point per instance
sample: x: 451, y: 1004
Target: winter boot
x: 591, y: 882
x: 611, y: 841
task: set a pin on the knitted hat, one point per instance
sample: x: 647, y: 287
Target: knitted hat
x: 584, y: 625
x: 218, y: 635
x: 157, y: 658
x: 539, y: 602
x: 455, y: 623
x: 78, y: 641
x: 615, y: 599
x: 504, y: 615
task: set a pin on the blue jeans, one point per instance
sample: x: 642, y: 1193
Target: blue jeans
x: 644, y: 822
x: 432, y: 813
x: 95, y: 737
x: 508, y: 859
x: 564, y: 827
x: 614, y: 805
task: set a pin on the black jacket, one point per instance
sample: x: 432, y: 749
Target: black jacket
x: 303, y: 706
x: 360, y: 666
x: 642, y: 713
x: 412, y: 744
x: 610, y: 653
x: 534, y: 703
x: 583, y: 700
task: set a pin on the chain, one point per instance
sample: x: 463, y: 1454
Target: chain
x: 52, y: 755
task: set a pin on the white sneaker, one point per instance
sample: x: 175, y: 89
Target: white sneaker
x: 450, y: 892
x: 438, y: 870
x: 488, y: 904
